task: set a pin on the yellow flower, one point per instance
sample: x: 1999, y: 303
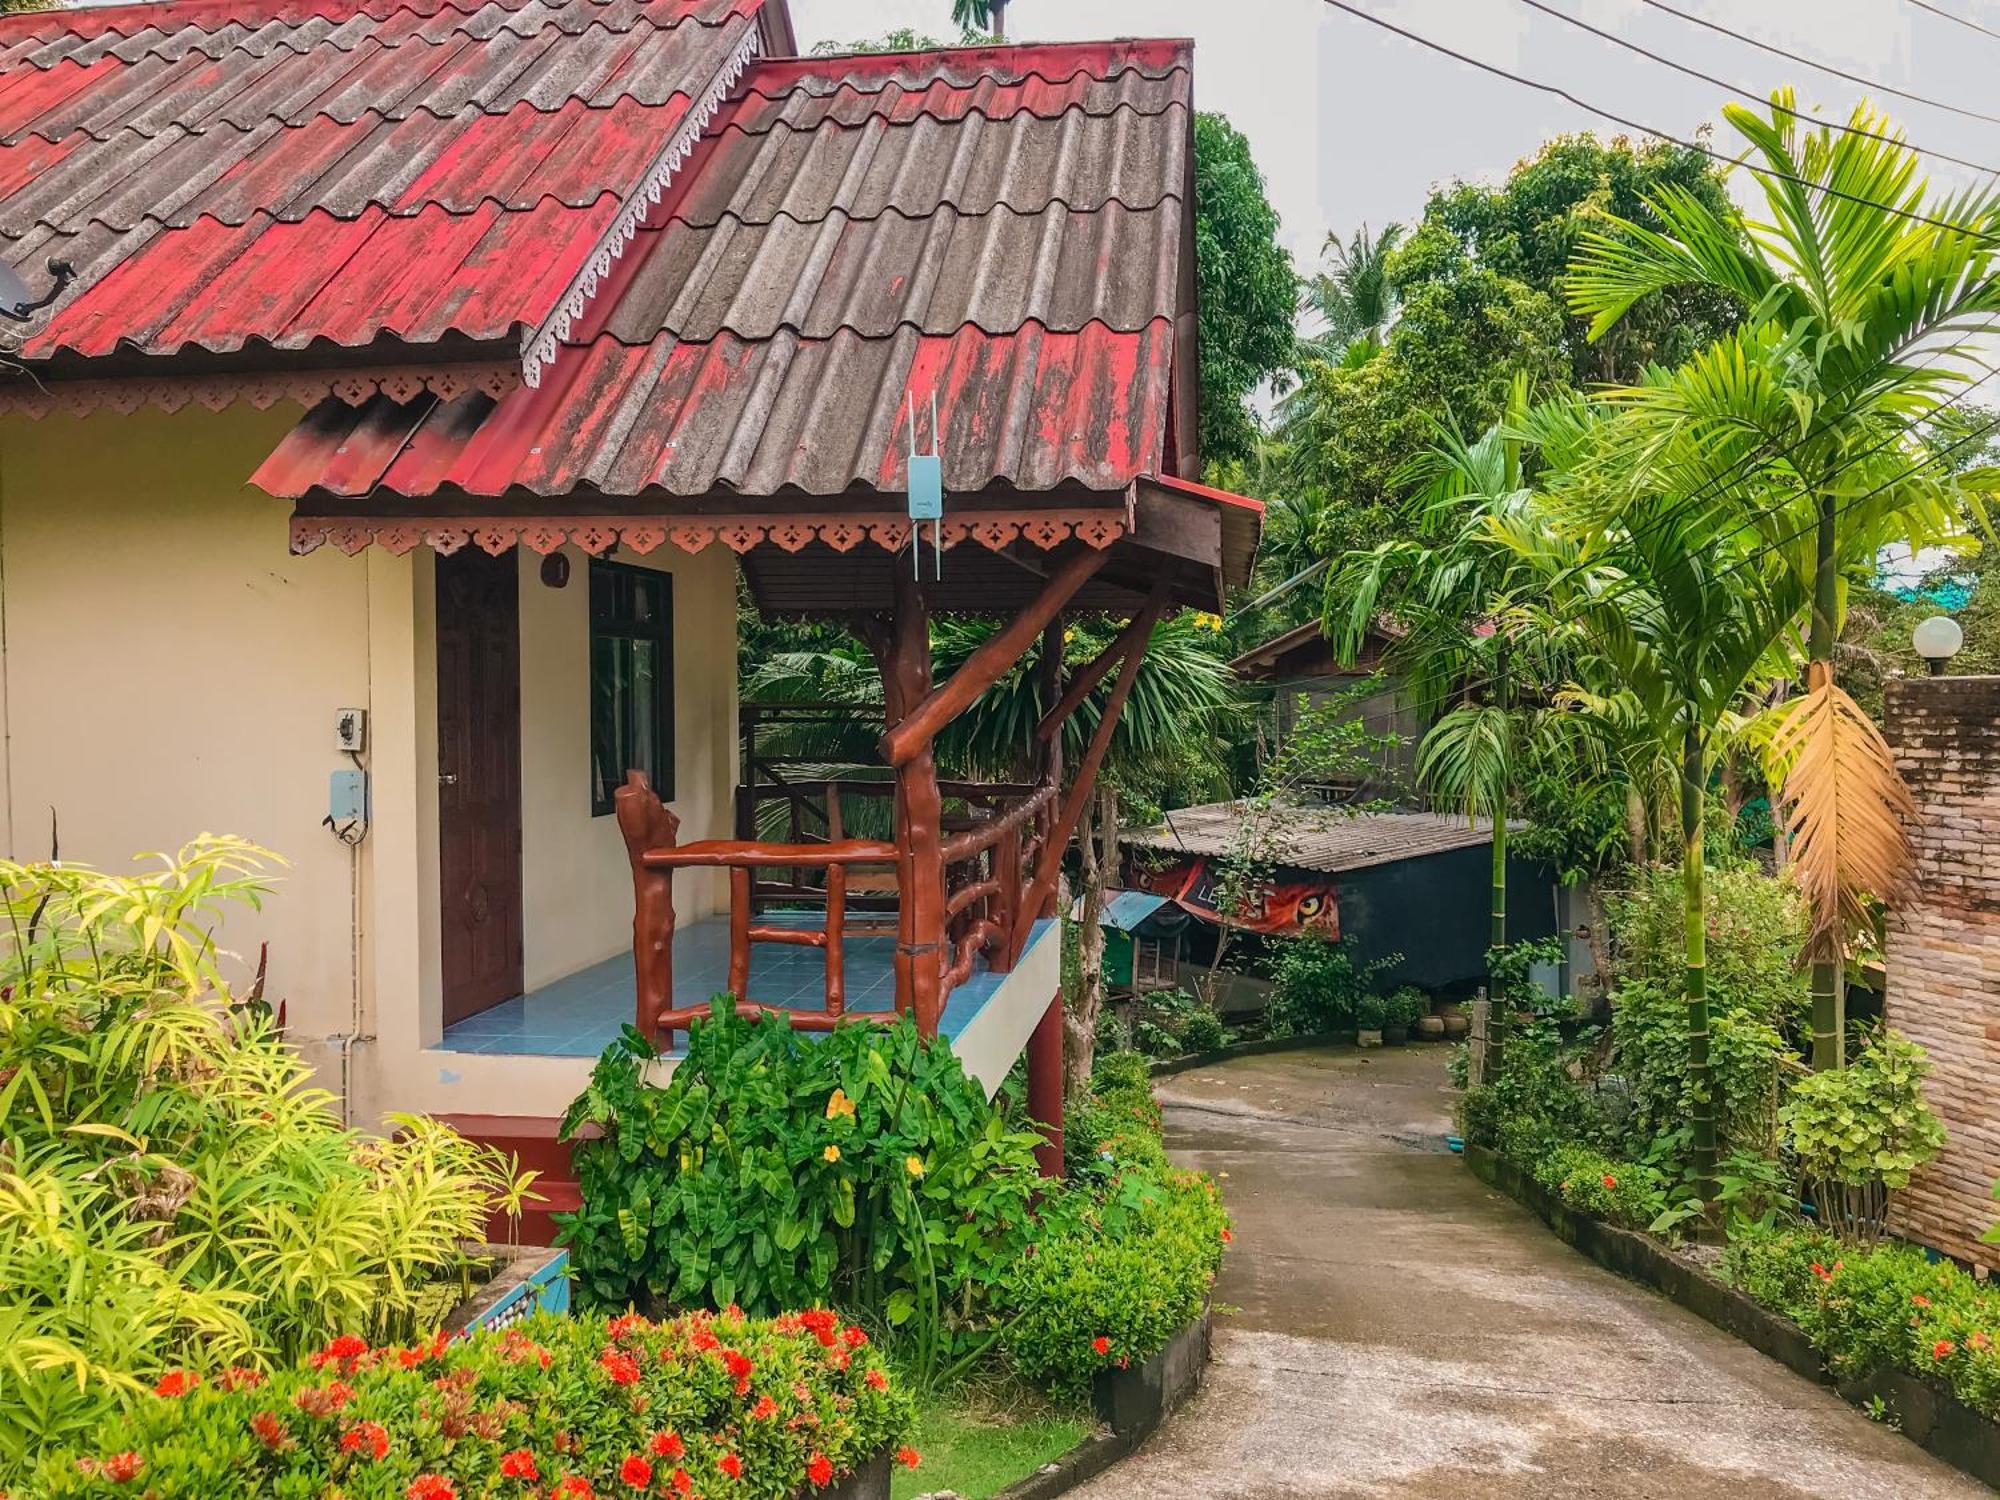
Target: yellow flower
x: 839, y: 1105
x: 914, y: 1166
x: 831, y: 1153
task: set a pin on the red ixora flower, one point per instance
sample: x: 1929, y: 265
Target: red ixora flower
x: 430, y: 1487
x: 343, y: 1350
x: 572, y: 1487
x: 1227, y: 1237
x: 877, y: 1381
x: 854, y: 1336
x: 269, y: 1429
x: 1100, y: 1346
x: 635, y: 1471
x: 622, y: 1368
x: 669, y: 1445
x: 240, y: 1378
x: 731, y: 1465
x: 1610, y: 1181
x: 371, y: 1438
x: 819, y: 1469
x: 908, y: 1457
x: 520, y: 1464
x: 1920, y: 1300
x: 764, y: 1410
x: 122, y: 1468
x: 176, y: 1383
x: 1942, y: 1348
x: 682, y: 1481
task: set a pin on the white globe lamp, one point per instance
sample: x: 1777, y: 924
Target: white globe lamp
x: 1937, y: 641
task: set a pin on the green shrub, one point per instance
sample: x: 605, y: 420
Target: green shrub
x: 861, y: 1168
x: 1623, y: 1192
x: 549, y: 1407
x: 1530, y: 1103
x: 1511, y: 969
x: 1406, y: 1006
x: 1747, y: 1057
x: 1889, y: 1307
x: 1861, y: 1130
x: 1318, y: 986
x: 1113, y: 1278
x: 1116, y: 1124
x: 172, y: 1192
x: 1756, y: 931
x: 1173, y: 1023
x: 1203, y: 1031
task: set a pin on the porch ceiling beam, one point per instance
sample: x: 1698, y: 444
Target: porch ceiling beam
x: 1050, y: 863
x: 1087, y: 678
x: 915, y: 731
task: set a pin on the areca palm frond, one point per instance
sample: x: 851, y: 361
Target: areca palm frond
x: 1847, y: 806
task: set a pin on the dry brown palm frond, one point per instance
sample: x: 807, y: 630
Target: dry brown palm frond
x: 1844, y: 802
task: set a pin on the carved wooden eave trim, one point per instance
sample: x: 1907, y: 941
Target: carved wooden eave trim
x: 995, y: 530
x: 261, y: 389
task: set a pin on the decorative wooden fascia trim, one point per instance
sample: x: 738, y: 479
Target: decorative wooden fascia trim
x: 994, y: 530
x: 261, y: 389
x: 538, y: 349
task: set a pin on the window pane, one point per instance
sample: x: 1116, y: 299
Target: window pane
x: 631, y: 680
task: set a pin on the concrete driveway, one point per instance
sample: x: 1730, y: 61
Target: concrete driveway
x: 1405, y: 1331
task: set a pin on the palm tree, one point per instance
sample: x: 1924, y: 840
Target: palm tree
x: 1672, y: 628
x: 1446, y: 589
x: 1354, y: 297
x: 1861, y: 285
x: 980, y: 15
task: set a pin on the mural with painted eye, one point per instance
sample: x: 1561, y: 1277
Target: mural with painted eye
x: 1284, y: 908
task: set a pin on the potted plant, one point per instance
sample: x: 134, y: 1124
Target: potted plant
x: 1371, y: 1015
x: 1400, y: 1014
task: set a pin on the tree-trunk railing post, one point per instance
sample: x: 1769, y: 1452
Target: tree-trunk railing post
x: 647, y: 823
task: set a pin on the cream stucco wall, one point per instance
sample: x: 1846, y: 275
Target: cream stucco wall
x: 167, y: 667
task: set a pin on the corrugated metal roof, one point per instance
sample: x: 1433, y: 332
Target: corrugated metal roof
x: 1127, y: 909
x: 1327, y: 839
x: 336, y: 172
x: 1031, y: 409
x: 801, y: 288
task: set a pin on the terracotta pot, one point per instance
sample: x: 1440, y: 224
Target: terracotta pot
x: 1395, y: 1036
x: 1430, y: 1028
x: 1455, y: 1024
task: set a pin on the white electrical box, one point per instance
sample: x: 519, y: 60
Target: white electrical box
x: 350, y: 730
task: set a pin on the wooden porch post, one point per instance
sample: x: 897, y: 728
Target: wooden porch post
x: 647, y: 823
x: 920, y: 915
x: 1045, y: 1086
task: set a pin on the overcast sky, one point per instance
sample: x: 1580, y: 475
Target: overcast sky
x: 1351, y: 124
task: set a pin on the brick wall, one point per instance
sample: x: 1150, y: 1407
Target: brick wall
x: 1944, y: 950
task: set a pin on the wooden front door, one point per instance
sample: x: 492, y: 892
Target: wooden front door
x: 479, y: 779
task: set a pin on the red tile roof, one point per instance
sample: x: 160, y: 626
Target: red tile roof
x: 333, y: 173
x: 1002, y: 229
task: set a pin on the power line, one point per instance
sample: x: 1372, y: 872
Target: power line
x: 1737, y: 88
x: 1961, y: 20
x: 1633, y: 125
x: 1828, y: 68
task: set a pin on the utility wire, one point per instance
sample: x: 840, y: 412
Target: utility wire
x: 1828, y: 68
x: 1737, y: 88
x: 1938, y: 10
x: 1615, y: 118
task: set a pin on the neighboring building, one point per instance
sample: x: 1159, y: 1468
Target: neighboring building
x: 431, y: 371
x: 1943, y: 952
x: 1143, y: 933
x: 1411, y: 883
x: 1300, y: 667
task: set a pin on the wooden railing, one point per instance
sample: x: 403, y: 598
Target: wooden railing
x: 990, y: 858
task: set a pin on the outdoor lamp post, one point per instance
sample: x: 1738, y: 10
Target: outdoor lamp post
x: 1937, y: 641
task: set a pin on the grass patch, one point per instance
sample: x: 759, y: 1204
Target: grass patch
x: 978, y: 1440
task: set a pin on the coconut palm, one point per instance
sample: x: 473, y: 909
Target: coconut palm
x: 1354, y: 297
x: 1861, y: 287
x: 980, y: 15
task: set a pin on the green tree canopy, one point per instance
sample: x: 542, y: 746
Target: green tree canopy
x: 1246, y: 284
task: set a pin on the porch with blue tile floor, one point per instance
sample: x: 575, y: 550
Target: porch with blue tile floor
x: 580, y: 1014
